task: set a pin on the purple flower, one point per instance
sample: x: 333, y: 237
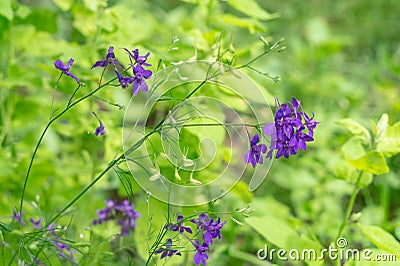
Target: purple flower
x: 178, y: 226
x: 140, y: 60
x: 139, y: 80
x: 291, y: 130
x: 65, y: 68
x: 65, y: 252
x: 125, y: 82
x: 36, y: 224
x: 201, y: 255
x: 140, y: 74
x: 100, y: 130
x: 18, y: 217
x: 209, y: 228
x: 167, y: 251
x: 254, y: 155
x: 110, y: 60
x: 124, y: 212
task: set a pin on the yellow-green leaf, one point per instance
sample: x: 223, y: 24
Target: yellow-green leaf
x: 252, y: 9
x: 389, y: 143
x: 6, y: 10
x: 381, y: 239
x: 372, y: 162
x: 355, y: 128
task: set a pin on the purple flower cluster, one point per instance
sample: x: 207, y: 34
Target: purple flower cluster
x: 124, y: 212
x: 206, y: 226
x: 64, y: 250
x: 291, y: 130
x: 137, y: 63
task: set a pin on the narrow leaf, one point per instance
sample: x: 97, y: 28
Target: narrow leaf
x: 381, y: 239
x: 355, y: 128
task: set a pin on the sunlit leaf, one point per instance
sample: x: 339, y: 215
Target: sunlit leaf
x: 372, y: 162
x: 252, y: 9
x: 381, y: 238
x: 382, y: 125
x: 6, y: 9
x: 355, y: 128
x: 64, y: 4
x: 353, y: 149
x: 389, y: 143
x: 281, y: 234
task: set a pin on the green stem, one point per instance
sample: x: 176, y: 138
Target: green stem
x: 52, y: 120
x: 350, y: 206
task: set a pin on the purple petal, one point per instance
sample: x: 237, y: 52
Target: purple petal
x: 255, y: 140
x: 263, y: 148
x: 269, y: 129
x: 247, y: 157
x: 101, y: 63
x: 135, y: 89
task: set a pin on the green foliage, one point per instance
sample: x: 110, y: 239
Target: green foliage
x: 342, y: 60
x: 381, y: 239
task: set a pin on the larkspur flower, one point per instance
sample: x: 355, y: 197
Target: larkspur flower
x: 139, y: 80
x: 139, y: 59
x: 124, y: 82
x: 65, y: 68
x: 178, y: 226
x: 167, y: 251
x: 254, y: 155
x: 36, y: 224
x: 124, y: 212
x: 110, y: 60
x: 201, y: 255
x: 18, y: 217
x: 139, y: 73
x: 209, y: 228
x: 100, y: 130
x: 65, y: 252
x: 288, y: 132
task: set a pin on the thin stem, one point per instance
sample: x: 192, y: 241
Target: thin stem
x: 42, y: 136
x: 85, y: 189
x: 54, y: 95
x: 349, y: 206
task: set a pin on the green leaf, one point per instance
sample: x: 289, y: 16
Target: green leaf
x: 281, y: 234
x: 6, y: 9
x: 64, y: 5
x: 241, y: 190
x: 381, y: 238
x: 389, y: 143
x: 382, y: 126
x: 372, y: 162
x: 353, y: 149
x: 343, y: 170
x: 252, y: 25
x: 252, y: 9
x: 355, y: 128
x: 94, y: 5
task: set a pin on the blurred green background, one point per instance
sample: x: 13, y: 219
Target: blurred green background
x: 342, y: 59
